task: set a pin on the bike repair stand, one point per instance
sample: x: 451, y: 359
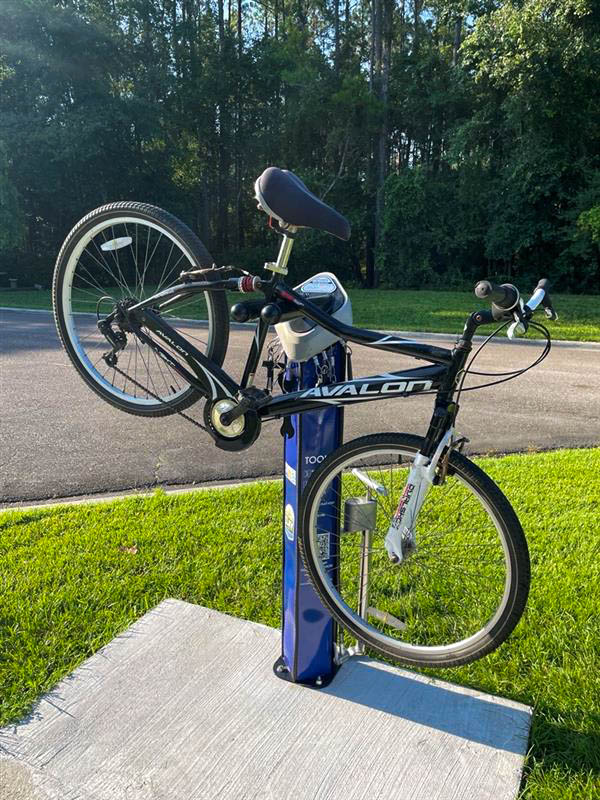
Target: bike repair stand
x: 308, y: 631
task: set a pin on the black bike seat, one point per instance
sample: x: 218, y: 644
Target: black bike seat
x: 283, y: 196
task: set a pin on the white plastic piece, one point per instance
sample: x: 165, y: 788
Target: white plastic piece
x: 517, y: 328
x: 536, y: 299
x: 302, y: 338
x: 116, y: 244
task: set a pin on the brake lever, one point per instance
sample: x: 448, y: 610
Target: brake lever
x: 520, y: 324
x: 521, y: 317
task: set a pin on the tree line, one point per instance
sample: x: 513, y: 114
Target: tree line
x: 460, y: 137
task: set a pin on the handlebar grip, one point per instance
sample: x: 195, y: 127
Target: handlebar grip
x: 247, y: 310
x: 504, y: 297
x: 544, y: 285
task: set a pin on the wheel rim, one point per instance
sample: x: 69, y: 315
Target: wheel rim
x: 149, y: 263
x: 449, y: 595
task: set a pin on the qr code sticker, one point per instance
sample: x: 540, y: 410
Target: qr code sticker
x: 323, y: 541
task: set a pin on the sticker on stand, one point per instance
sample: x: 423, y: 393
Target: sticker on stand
x: 289, y: 520
x: 290, y: 473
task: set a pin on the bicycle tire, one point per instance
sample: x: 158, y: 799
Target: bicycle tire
x: 389, y: 638
x: 68, y: 284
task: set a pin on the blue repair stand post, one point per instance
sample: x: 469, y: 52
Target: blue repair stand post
x: 308, y: 631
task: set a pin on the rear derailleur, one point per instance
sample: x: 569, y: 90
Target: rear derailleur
x: 116, y: 338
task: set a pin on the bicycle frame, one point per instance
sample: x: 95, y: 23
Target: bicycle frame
x: 440, y: 377
x: 216, y: 384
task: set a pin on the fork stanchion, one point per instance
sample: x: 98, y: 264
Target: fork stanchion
x: 308, y: 631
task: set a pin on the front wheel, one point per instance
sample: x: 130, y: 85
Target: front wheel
x: 128, y: 252
x: 456, y: 597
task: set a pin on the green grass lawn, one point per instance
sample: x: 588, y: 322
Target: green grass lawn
x: 71, y: 578
x: 438, y: 312
x: 446, y: 312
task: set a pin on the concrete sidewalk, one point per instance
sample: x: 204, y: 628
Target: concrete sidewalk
x: 184, y: 705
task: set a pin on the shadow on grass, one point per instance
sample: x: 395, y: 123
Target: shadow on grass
x: 31, y: 517
x: 563, y: 745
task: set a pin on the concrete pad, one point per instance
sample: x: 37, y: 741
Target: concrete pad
x: 184, y: 705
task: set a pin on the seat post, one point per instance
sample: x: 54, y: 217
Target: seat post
x: 285, y: 249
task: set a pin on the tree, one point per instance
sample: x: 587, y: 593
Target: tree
x: 458, y: 136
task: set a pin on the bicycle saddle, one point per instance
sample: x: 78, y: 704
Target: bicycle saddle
x: 283, y: 195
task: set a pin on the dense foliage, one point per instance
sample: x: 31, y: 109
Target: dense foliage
x: 460, y: 137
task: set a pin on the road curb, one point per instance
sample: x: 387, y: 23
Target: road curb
x: 109, y: 497
x: 417, y: 335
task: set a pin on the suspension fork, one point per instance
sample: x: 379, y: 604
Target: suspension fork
x: 400, y: 540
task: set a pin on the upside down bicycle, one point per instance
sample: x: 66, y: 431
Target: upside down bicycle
x: 449, y: 566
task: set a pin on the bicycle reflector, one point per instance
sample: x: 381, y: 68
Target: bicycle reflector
x: 116, y: 244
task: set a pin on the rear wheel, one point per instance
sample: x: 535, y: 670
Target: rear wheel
x: 461, y: 592
x: 128, y: 252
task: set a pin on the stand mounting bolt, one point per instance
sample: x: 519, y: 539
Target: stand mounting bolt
x: 281, y: 668
x: 319, y: 681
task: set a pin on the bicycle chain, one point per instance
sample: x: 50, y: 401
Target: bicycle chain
x: 160, y: 400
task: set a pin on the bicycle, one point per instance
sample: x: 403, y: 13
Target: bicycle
x: 445, y: 554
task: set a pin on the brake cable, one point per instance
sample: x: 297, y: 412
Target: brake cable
x: 511, y: 375
x: 474, y: 356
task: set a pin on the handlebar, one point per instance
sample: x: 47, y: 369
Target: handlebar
x: 506, y: 302
x: 504, y: 297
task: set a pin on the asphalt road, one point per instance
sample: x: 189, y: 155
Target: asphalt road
x: 59, y: 439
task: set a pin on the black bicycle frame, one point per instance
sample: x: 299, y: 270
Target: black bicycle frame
x: 212, y: 381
